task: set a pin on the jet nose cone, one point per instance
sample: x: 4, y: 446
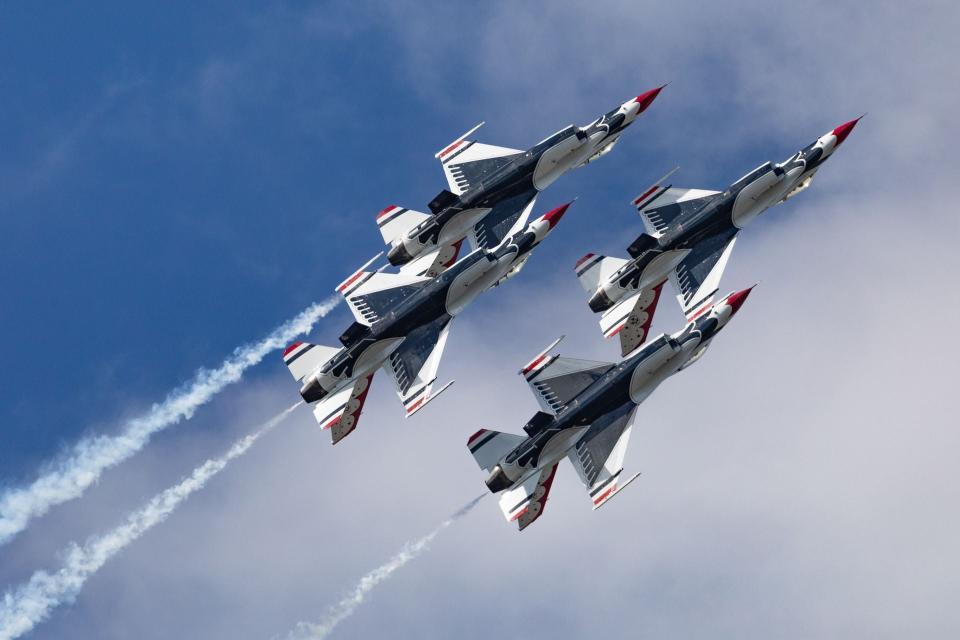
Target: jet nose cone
x: 646, y: 99
x: 553, y: 217
x: 844, y: 130
x: 736, y: 300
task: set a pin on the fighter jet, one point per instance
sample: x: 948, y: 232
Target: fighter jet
x: 490, y: 186
x: 402, y: 324
x: 587, y: 413
x: 690, y: 235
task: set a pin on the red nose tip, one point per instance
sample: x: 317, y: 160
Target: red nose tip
x: 646, y: 99
x: 844, y: 130
x: 553, y: 217
x: 736, y: 300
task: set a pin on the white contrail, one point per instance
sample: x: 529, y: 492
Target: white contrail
x: 89, y: 458
x: 26, y: 606
x: 345, y: 608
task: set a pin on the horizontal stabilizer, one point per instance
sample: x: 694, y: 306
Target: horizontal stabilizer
x: 340, y: 411
x: 631, y: 318
x: 303, y: 358
x: 593, y: 269
x: 488, y: 447
x: 394, y: 222
x: 526, y: 502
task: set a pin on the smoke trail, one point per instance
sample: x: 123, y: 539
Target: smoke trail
x: 31, y: 603
x: 345, y: 608
x: 91, y: 456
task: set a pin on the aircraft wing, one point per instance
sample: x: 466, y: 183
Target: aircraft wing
x: 413, y: 365
x: 340, y: 411
x: 525, y: 503
x: 697, y: 277
x: 467, y: 162
x: 631, y: 318
x: 598, y: 455
x: 506, y: 217
x: 662, y: 203
x: 555, y: 381
x: 371, y: 294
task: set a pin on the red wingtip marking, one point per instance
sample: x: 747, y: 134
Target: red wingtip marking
x: 349, y: 281
x: 534, y: 363
x: 386, y: 211
x: 583, y: 259
x: 646, y: 194
x: 291, y: 348
x: 844, y: 130
x: 451, y: 148
x: 606, y: 494
x: 519, y: 513
x: 414, y: 406
x: 646, y: 99
x: 475, y: 436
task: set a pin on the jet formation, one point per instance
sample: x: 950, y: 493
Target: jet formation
x: 588, y: 407
x: 689, y: 236
x: 489, y: 187
x: 402, y: 319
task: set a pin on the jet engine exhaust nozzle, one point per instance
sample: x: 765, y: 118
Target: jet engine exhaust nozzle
x: 498, y: 480
x: 398, y: 255
x: 312, y: 391
x: 600, y: 301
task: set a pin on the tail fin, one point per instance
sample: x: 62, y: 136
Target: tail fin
x: 488, y: 447
x: 593, y: 269
x: 395, y: 221
x: 302, y: 358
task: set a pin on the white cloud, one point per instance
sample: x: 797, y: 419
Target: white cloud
x: 68, y: 478
x: 798, y: 481
x: 29, y: 604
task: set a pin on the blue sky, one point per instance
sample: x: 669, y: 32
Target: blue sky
x: 178, y: 180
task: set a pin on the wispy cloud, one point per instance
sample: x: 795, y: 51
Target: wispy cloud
x: 28, y: 605
x: 69, y: 478
x: 345, y: 608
